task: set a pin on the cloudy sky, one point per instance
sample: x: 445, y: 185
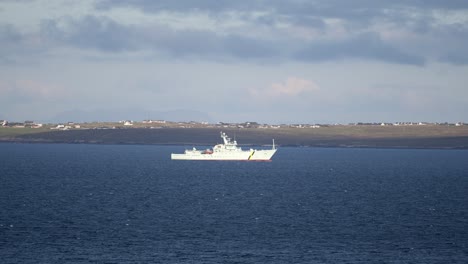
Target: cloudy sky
x: 267, y: 61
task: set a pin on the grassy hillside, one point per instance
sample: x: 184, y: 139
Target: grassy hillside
x: 11, y: 132
x: 341, y: 136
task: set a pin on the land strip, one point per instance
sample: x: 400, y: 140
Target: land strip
x: 332, y: 136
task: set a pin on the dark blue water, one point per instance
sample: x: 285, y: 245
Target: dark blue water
x: 132, y: 204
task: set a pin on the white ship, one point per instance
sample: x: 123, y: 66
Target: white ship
x: 227, y: 151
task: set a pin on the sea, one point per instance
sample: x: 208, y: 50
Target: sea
x: 80, y: 203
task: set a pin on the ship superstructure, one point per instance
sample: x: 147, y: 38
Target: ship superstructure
x: 226, y: 151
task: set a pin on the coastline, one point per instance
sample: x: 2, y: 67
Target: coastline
x: 373, y: 138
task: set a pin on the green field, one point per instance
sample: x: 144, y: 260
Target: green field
x: 11, y: 132
x: 434, y: 136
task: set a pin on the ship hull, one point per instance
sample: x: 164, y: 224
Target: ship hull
x: 227, y: 151
x: 255, y: 155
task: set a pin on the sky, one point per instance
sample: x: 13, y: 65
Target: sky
x: 276, y: 61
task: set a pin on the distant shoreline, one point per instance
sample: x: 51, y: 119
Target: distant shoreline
x: 241, y: 145
x: 341, y: 137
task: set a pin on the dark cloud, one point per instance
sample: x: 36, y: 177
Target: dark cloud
x: 17, y: 47
x: 412, y: 14
x: 448, y: 5
x: 106, y: 35
x: 281, y: 6
x: 10, y: 39
x: 9, y: 34
x: 353, y: 10
x: 451, y: 44
x: 364, y: 46
x: 93, y: 32
x: 358, y: 38
x: 415, y: 16
x: 454, y: 58
x: 182, y: 6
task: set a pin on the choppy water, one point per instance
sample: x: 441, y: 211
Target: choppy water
x: 132, y: 204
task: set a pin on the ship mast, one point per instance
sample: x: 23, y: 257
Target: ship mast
x: 225, y: 138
